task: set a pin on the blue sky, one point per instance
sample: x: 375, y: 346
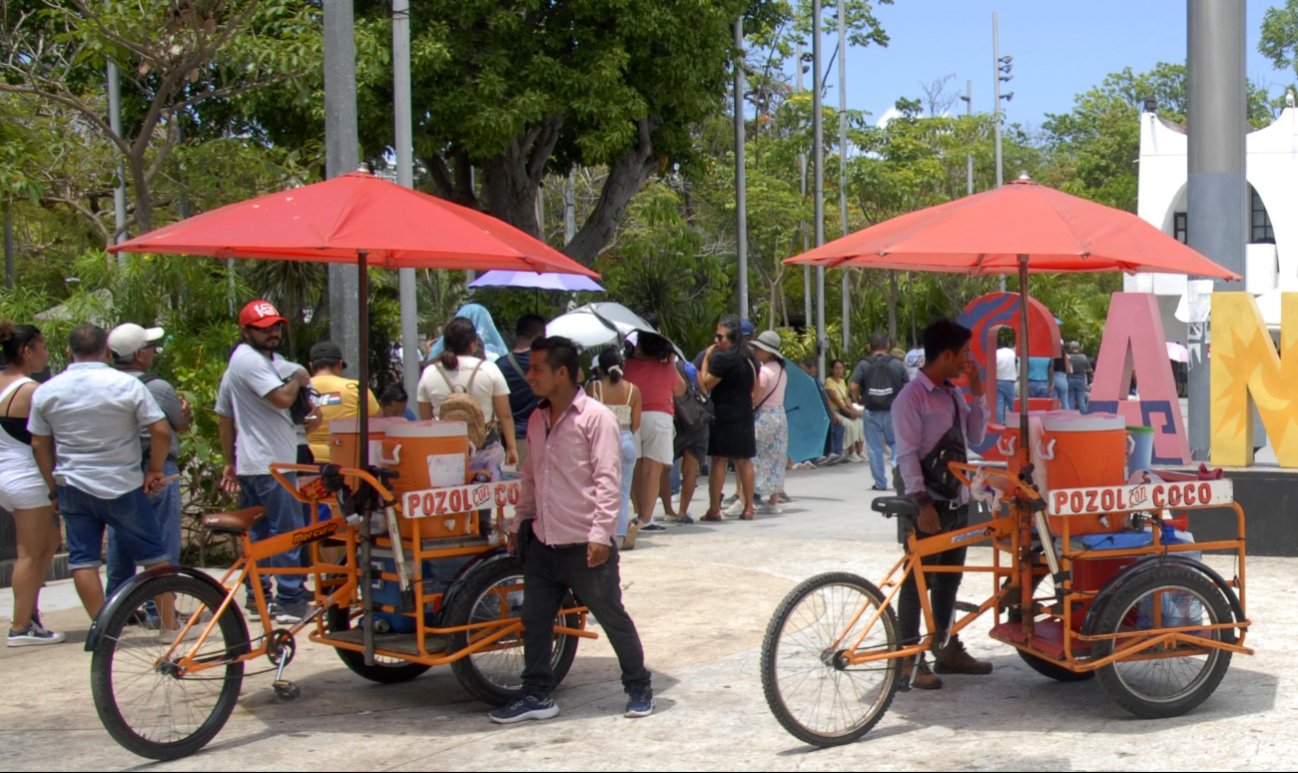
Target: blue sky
x: 1060, y: 47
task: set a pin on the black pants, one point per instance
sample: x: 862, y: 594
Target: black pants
x: 548, y: 574
x: 943, y: 586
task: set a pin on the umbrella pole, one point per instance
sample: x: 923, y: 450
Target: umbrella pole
x: 1024, y: 439
x: 363, y: 452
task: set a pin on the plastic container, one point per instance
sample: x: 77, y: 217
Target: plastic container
x: 1083, y: 452
x: 1140, y: 453
x: 429, y: 454
x: 438, y: 574
x: 1011, y: 444
x: 1092, y: 574
x: 344, y: 439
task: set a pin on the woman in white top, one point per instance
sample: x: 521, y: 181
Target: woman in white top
x: 23, y: 491
x: 623, y: 399
x: 459, y: 369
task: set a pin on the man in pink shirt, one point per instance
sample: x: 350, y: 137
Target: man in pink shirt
x: 563, y: 530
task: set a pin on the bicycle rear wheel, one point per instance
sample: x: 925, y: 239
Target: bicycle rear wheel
x: 813, y: 691
x: 147, y: 704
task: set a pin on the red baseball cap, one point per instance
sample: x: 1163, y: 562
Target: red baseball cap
x: 260, y: 314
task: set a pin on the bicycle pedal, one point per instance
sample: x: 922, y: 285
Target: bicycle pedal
x: 286, y: 691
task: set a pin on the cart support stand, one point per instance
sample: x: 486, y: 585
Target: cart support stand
x: 363, y: 454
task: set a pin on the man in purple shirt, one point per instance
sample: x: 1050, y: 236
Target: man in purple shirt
x: 928, y: 413
x: 563, y: 530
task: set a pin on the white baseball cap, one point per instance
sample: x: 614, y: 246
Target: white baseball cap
x: 128, y: 339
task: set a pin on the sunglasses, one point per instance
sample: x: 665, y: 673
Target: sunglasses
x: 723, y: 337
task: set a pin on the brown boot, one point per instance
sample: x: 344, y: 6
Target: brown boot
x: 953, y: 659
x: 921, y: 678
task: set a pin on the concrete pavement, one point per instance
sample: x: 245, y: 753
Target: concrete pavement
x: 702, y: 597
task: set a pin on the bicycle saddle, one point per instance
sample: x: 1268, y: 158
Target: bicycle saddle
x: 895, y: 506
x: 233, y: 523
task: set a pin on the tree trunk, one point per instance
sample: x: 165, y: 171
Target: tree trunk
x: 624, y: 181
x: 143, y: 196
x: 892, y: 307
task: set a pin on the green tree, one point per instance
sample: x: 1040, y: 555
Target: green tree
x: 1096, y: 147
x: 175, y: 59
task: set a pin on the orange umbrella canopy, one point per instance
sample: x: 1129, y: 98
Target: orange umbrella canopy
x: 988, y: 232
x: 333, y: 221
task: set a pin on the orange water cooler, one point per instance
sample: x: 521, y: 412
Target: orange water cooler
x: 430, y: 454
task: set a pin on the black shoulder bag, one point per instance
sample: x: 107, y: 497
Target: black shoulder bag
x: 937, y: 465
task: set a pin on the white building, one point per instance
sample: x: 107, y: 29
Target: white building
x: 1272, y: 172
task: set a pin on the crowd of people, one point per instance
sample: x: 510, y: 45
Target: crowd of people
x: 599, y: 443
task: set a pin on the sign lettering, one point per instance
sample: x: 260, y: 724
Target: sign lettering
x: 460, y: 499
x: 1154, y: 496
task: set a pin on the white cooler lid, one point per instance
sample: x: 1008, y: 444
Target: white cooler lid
x: 1094, y: 422
x: 378, y: 424
x: 430, y: 428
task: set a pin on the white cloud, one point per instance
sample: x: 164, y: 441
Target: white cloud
x: 891, y: 113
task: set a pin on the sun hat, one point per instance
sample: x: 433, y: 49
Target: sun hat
x: 769, y: 341
x: 130, y: 338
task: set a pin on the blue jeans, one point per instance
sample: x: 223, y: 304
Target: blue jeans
x: 1061, y: 391
x: 166, y: 508
x: 628, y: 473
x: 878, y: 428
x: 85, y: 517
x: 1004, y: 399
x: 1038, y: 389
x: 1077, y: 395
x: 283, y: 515
x: 836, y: 434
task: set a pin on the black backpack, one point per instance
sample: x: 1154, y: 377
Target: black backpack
x: 880, y: 384
x: 694, y: 408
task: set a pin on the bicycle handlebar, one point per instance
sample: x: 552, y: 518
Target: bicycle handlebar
x: 959, y: 469
x: 277, y: 470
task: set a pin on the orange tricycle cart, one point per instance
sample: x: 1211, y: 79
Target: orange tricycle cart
x: 1101, y: 581
x: 431, y: 586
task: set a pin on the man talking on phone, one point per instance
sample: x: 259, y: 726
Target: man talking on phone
x: 934, y: 424
x: 563, y: 530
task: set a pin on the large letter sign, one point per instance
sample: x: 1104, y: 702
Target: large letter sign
x: 985, y: 316
x: 1134, y: 334
x: 1247, y: 373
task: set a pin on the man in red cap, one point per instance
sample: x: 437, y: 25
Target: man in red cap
x: 257, y: 429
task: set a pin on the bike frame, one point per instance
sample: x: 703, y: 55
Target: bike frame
x: 1012, y: 534
x: 342, y: 583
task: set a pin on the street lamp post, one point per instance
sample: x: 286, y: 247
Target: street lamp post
x: 968, y: 158
x: 741, y: 184
x: 842, y: 166
x: 1000, y: 74
x: 818, y: 152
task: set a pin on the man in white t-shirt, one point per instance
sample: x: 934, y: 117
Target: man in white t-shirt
x: 459, y: 369
x: 257, y: 430
x: 1007, y: 374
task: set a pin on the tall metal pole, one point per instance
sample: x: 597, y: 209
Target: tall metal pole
x: 818, y: 153
x: 802, y: 188
x: 842, y: 169
x: 570, y: 208
x: 968, y: 159
x: 403, y: 131
x: 1217, y: 192
x: 342, y: 155
x: 996, y: 84
x: 741, y: 184
x: 115, y: 123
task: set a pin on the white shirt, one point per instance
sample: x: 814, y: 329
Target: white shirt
x: 264, y: 433
x: 488, y: 384
x: 95, y: 414
x: 1007, y: 364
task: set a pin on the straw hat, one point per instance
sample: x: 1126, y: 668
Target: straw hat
x: 769, y: 341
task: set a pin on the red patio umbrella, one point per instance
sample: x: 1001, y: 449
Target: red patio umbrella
x: 1022, y: 227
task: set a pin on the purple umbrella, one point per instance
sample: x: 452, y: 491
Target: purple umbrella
x: 531, y: 280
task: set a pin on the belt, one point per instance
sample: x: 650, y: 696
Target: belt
x: 565, y: 546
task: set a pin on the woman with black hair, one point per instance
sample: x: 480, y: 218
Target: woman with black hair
x: 622, y: 398
x: 23, y: 492
x: 394, y: 402
x: 771, y: 425
x: 652, y: 369
x: 460, y: 369
x: 729, y: 372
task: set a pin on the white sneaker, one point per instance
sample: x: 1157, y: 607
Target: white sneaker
x: 770, y: 509
x: 736, y: 509
x: 34, y: 636
x: 856, y: 458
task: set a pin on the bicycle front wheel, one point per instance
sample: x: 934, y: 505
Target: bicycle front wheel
x: 811, y: 687
x: 147, y: 702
